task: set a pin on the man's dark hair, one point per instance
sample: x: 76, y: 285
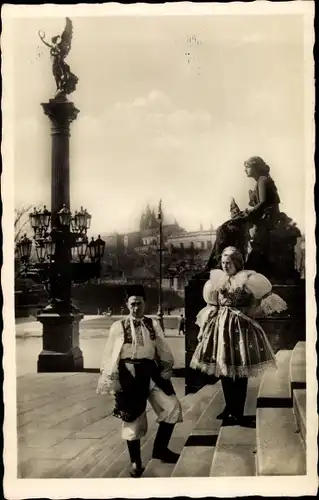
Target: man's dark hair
x: 137, y: 290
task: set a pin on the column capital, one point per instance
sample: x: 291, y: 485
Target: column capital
x: 61, y: 113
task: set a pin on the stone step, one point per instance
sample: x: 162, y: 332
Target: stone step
x: 109, y: 461
x: 275, y: 384
x: 123, y: 464
x: 235, y: 452
x: 300, y: 412
x: 236, y: 445
x: 118, y: 465
x: 196, y: 456
x: 297, y: 368
x: 155, y: 468
x: 279, y: 449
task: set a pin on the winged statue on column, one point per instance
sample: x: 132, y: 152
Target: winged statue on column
x: 60, y: 46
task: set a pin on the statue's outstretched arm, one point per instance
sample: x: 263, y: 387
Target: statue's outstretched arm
x: 42, y: 35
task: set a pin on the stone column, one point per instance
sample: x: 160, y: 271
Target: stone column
x: 61, y: 113
x: 60, y: 319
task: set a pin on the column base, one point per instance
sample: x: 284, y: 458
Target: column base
x: 50, y: 362
x: 61, y: 351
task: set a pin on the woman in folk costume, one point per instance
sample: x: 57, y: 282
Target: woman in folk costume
x: 231, y: 344
x: 136, y: 368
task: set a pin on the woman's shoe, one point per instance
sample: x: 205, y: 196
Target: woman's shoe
x: 232, y: 420
x: 224, y: 414
x: 136, y: 470
x: 237, y: 419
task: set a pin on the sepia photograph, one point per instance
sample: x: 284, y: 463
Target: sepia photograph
x: 159, y: 248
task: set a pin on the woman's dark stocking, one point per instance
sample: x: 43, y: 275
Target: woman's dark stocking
x: 227, y: 384
x: 235, y: 391
x: 239, y: 399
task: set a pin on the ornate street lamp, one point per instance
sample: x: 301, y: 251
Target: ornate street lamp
x: 35, y: 219
x: 49, y: 245
x: 40, y: 221
x: 82, y: 220
x: 64, y: 216
x: 100, y: 248
x: 41, y: 250
x: 96, y: 249
x: 45, y: 218
x: 71, y: 236
x: 82, y: 245
x: 59, y: 244
x: 91, y: 247
x: 24, y: 247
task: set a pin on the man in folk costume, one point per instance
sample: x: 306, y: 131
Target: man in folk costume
x: 136, y: 367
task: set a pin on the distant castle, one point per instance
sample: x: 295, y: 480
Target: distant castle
x: 174, y: 236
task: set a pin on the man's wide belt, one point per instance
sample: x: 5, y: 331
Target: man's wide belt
x: 137, y: 361
x: 153, y: 372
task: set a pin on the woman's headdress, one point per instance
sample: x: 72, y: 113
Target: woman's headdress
x: 235, y: 256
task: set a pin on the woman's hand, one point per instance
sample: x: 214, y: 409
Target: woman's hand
x: 255, y: 311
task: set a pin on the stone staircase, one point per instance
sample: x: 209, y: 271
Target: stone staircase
x: 281, y: 414
x: 271, y: 440
x: 116, y: 463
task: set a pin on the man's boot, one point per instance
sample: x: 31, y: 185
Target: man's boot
x: 134, y: 448
x: 160, y: 450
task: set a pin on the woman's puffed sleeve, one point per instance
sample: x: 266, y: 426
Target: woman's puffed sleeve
x: 211, y: 287
x: 258, y: 285
x: 261, y: 289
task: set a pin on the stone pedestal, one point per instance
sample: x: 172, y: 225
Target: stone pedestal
x: 61, y: 350
x: 283, y: 331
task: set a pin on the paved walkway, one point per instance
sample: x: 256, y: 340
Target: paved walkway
x: 64, y: 428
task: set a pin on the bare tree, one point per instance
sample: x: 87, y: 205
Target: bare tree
x: 21, y: 219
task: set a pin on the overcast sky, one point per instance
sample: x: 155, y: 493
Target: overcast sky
x: 165, y: 116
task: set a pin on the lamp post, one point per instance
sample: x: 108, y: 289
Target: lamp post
x: 160, y: 250
x: 61, y: 250
x: 60, y: 237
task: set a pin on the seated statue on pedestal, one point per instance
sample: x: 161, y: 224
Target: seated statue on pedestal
x: 263, y: 234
